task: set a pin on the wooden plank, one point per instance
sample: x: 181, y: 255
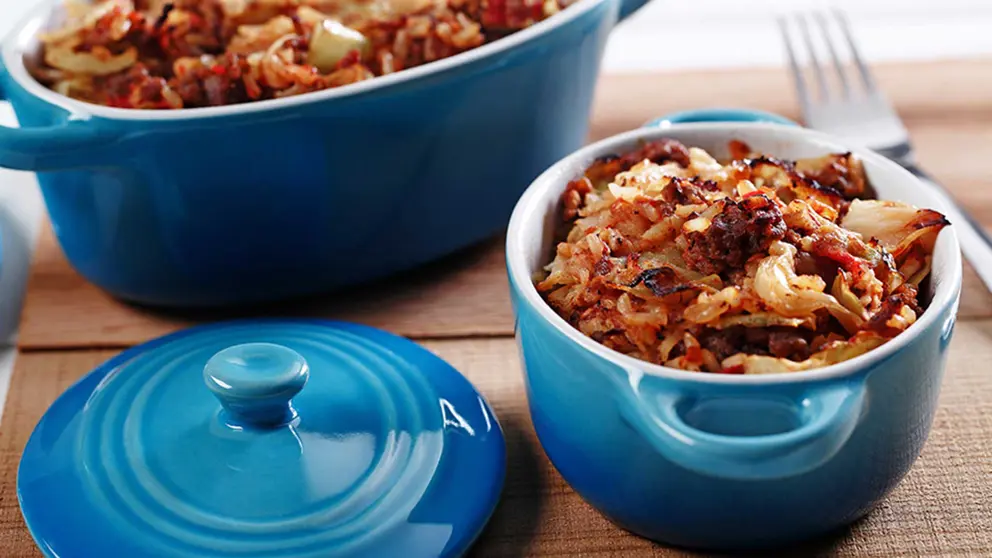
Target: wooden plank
x: 939, y: 510
x: 947, y: 106
x: 461, y: 296
x: 948, y: 113
x: 939, y: 92
x: 36, y: 382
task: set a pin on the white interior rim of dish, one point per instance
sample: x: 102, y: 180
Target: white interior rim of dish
x: 18, y: 43
x: 555, y: 178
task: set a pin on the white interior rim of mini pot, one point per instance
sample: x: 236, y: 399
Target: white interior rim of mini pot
x: 21, y: 41
x: 544, y: 194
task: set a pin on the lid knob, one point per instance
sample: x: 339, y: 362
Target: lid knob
x: 255, y: 382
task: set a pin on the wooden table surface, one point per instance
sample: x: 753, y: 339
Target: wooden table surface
x: 459, y: 308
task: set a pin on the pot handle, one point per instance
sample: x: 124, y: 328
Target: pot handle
x: 66, y: 145
x: 719, y: 115
x: 71, y: 143
x: 827, y: 416
x: 628, y: 7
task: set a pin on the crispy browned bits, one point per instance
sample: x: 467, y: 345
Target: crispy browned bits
x: 662, y: 281
x: 658, y: 152
x: 840, y: 172
x: 574, y: 196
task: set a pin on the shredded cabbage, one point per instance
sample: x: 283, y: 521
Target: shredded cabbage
x: 98, y: 62
x: 795, y: 296
x: 838, y: 351
x: 886, y: 221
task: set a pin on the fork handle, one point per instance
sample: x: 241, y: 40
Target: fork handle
x: 976, y: 243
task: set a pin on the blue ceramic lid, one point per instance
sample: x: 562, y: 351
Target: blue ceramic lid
x: 265, y: 439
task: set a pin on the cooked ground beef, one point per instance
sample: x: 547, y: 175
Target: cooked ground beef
x: 742, y: 229
x: 790, y: 344
x: 778, y: 342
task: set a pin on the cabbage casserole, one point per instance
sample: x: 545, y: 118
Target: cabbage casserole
x: 160, y: 54
x: 756, y: 266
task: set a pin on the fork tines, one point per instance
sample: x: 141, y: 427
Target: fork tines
x: 827, y: 29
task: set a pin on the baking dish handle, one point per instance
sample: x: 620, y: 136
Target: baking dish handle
x: 74, y: 142
x: 628, y: 7
x: 719, y: 115
x: 66, y: 145
x: 825, y: 419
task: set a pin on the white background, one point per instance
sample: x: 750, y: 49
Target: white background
x: 667, y: 35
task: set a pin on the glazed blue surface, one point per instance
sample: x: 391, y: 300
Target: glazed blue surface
x: 255, y: 383
x: 751, y: 486
x: 265, y: 438
x: 720, y: 115
x: 278, y: 203
x: 728, y: 466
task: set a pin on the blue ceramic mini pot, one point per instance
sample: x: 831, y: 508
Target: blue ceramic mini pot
x: 286, y: 197
x: 720, y: 461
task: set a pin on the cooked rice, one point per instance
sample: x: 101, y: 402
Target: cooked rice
x: 150, y: 54
x: 753, y: 266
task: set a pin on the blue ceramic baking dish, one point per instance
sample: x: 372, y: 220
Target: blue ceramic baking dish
x: 287, y: 197
x: 721, y: 461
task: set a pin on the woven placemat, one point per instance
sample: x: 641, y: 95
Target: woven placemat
x: 942, y: 508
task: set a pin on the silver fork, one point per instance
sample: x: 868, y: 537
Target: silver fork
x: 855, y: 109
